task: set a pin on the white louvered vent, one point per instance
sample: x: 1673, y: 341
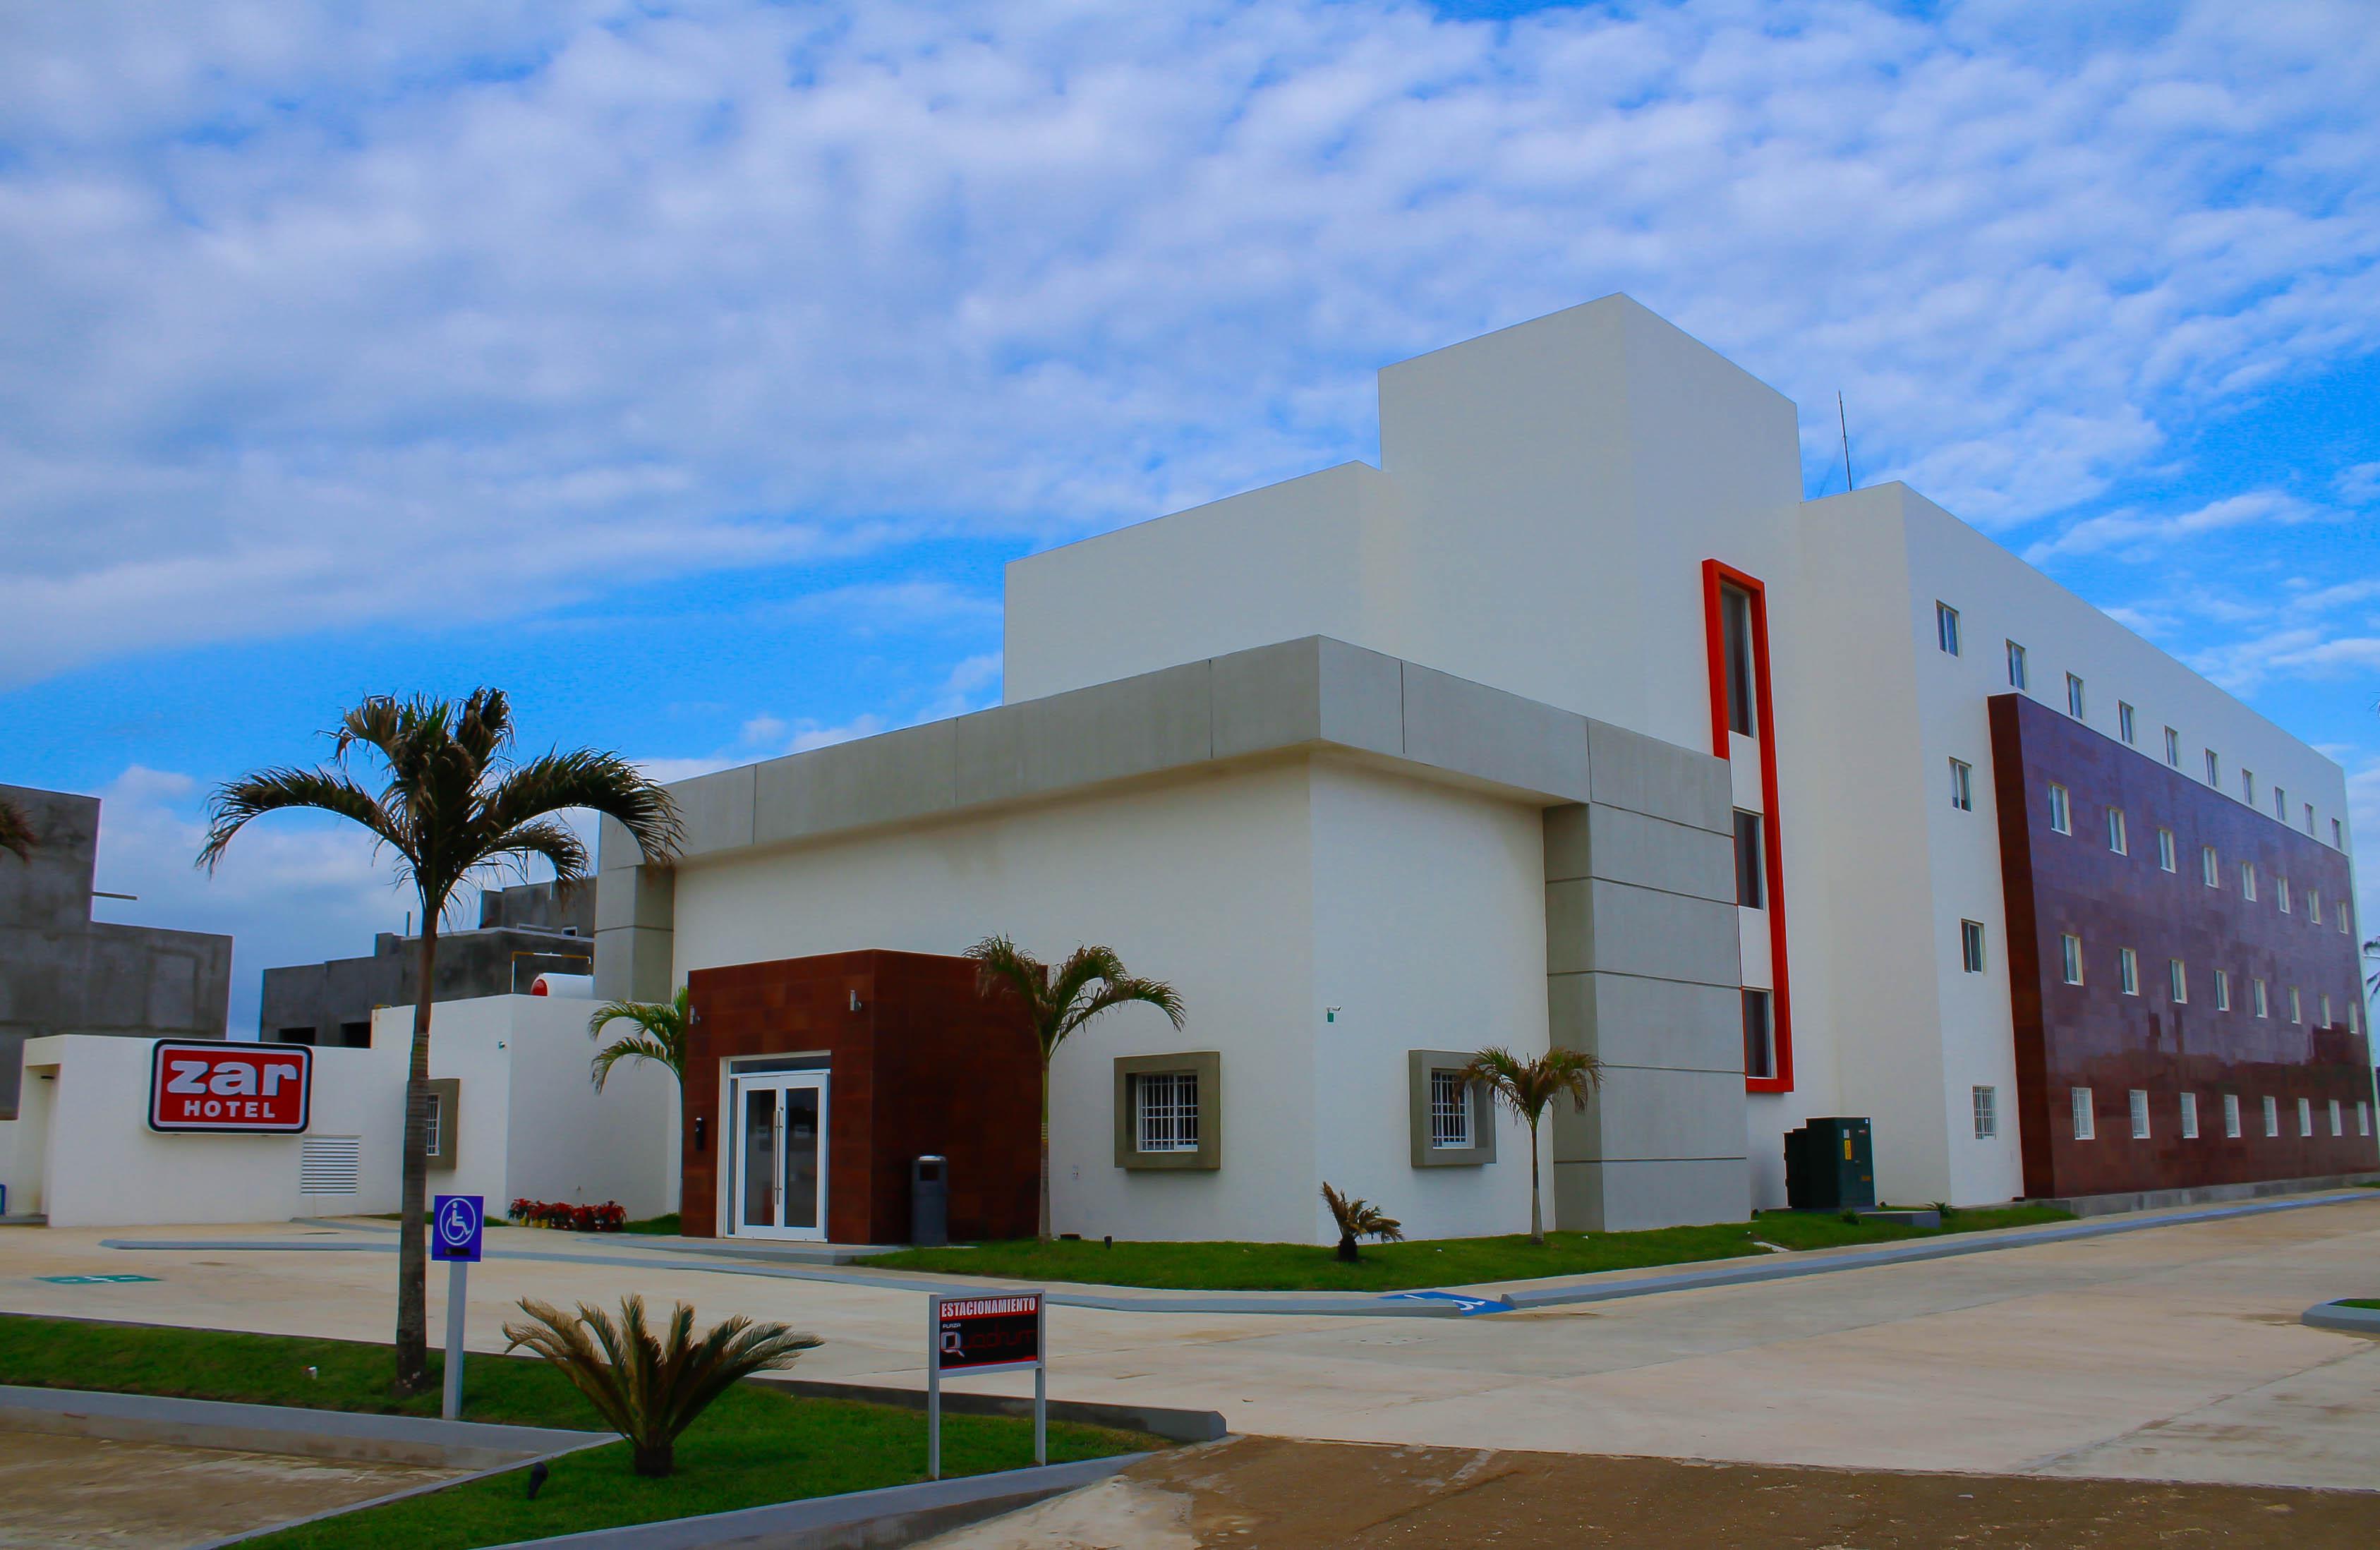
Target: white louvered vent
x: 329, y: 1164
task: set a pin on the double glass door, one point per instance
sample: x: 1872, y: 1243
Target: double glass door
x: 780, y: 1185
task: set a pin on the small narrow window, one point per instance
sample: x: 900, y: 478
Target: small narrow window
x: 2248, y: 882
x: 2071, y: 949
x: 2336, y: 1129
x: 2166, y: 861
x: 2124, y: 722
x: 1736, y: 621
x: 2305, y: 1117
x: 2016, y: 666
x: 2263, y: 1000
x: 1946, y: 627
x: 2074, y: 696
x: 1963, y: 786
x: 2272, y: 1117
x: 433, y: 1125
x: 2190, y: 1115
x: 1987, y: 1113
x: 2343, y: 919
x: 1759, y: 1036
x: 2119, y: 839
x: 1450, y: 1111
x: 2281, y: 803
x: 2223, y: 990
x: 2297, y: 1010
x: 1971, y: 945
x: 1751, y: 882
x: 2177, y: 980
x: 2232, y: 1116
x: 2309, y: 812
x: 2326, y: 1012
x: 2128, y: 971
x: 2248, y: 787
x: 2337, y: 835
x: 2281, y: 893
x: 2173, y: 747
x: 2206, y: 866
x: 2213, y: 769
x: 2354, y: 1023
x: 2085, y: 1123
x: 2061, y: 810
x: 2363, y: 1117
x: 2140, y: 1105
x: 2313, y: 907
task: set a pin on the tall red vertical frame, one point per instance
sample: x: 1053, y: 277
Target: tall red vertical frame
x: 1716, y: 575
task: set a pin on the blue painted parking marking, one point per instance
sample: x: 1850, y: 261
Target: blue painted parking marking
x: 88, y: 1280
x: 1470, y: 1306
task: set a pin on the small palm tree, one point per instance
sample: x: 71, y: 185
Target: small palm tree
x: 454, y: 805
x: 1060, y: 1001
x: 15, y: 831
x: 1527, y: 1087
x: 648, y: 1389
x: 1359, y: 1218
x: 659, y: 1036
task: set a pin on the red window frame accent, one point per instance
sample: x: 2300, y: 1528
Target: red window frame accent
x: 1715, y: 575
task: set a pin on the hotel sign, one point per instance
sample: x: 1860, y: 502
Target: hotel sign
x: 239, y: 1089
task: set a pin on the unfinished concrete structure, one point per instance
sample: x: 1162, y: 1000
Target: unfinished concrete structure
x: 62, y: 972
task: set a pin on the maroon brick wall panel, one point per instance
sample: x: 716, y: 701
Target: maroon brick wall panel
x: 2093, y: 1035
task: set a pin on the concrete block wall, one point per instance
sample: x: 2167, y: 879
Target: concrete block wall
x: 1643, y: 971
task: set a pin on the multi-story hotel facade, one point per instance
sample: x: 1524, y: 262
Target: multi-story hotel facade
x: 1571, y: 723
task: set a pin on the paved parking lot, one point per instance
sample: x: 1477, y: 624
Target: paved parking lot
x: 2168, y: 1354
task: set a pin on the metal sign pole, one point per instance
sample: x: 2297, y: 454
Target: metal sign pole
x: 458, y: 1270
x: 933, y: 1386
x: 1040, y: 1379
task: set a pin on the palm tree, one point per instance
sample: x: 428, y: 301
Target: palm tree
x: 659, y: 1036
x: 1527, y: 1087
x: 649, y: 1389
x: 15, y: 831
x: 1359, y: 1218
x: 454, y: 805
x: 1091, y: 980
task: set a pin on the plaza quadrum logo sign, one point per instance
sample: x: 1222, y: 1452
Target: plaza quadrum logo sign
x: 236, y: 1089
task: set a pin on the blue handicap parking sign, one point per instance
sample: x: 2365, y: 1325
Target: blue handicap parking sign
x: 454, y: 1224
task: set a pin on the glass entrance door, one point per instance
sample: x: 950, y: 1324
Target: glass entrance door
x: 779, y: 1190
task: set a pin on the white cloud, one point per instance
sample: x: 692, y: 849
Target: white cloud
x: 339, y: 317
x: 2134, y: 535
x: 2360, y: 486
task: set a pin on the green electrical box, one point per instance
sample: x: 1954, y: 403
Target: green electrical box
x: 1831, y: 1165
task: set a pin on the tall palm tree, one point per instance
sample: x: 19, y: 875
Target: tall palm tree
x: 454, y: 805
x: 659, y: 1036
x: 16, y: 831
x: 1060, y: 1001
x: 1528, y: 1088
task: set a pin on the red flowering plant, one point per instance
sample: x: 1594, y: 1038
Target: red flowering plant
x: 610, y: 1217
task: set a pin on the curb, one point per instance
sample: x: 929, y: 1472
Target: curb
x: 2337, y: 1315
x: 1160, y: 1420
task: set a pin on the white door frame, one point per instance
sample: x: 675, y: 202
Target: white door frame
x: 779, y: 1082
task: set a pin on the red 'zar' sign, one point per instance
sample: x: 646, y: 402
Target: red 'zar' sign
x: 236, y: 1087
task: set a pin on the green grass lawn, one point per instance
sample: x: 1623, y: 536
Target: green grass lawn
x: 1437, y: 1263
x: 2359, y: 1301
x: 752, y: 1447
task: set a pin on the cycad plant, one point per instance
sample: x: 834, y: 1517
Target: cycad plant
x: 15, y: 831
x: 452, y: 805
x: 649, y: 1389
x: 1527, y: 1087
x: 1060, y: 1001
x: 1359, y: 1218
x: 659, y: 1036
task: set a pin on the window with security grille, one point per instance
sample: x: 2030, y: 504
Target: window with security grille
x: 1450, y: 1110
x: 1167, y: 1120
x: 433, y: 1125
x: 1987, y: 1113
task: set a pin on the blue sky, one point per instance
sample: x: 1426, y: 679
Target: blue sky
x: 691, y: 370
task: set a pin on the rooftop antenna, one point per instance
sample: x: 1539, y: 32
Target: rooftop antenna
x: 1844, y: 421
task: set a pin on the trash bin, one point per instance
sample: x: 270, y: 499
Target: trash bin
x: 929, y: 1202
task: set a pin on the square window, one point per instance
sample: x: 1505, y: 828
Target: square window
x: 2086, y: 1126
x: 2248, y: 882
x: 2177, y: 980
x: 2128, y: 971
x: 2334, y: 1128
x: 1450, y: 1111
x: 1971, y: 945
x: 2173, y: 747
x: 2061, y: 811
x: 2222, y: 990
x: 2124, y: 721
x: 2264, y: 1003
x: 1759, y: 1036
x: 2190, y: 1115
x: 1987, y: 1113
x: 1963, y: 786
x: 2213, y: 769
x: 1750, y: 863
x: 2305, y: 1118
x: 1166, y: 1111
x: 2071, y: 950
x: 2119, y: 839
x: 2232, y: 1116
x: 2074, y: 696
x: 1946, y: 627
x: 2016, y: 666
x: 2206, y: 867
x: 2272, y: 1117
x: 2166, y: 861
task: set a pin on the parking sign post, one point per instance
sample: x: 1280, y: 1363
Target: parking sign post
x: 997, y: 1333
x: 455, y: 1224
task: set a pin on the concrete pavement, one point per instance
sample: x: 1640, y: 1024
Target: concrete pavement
x: 2171, y: 1354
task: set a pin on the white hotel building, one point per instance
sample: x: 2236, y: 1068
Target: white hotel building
x: 1570, y: 722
